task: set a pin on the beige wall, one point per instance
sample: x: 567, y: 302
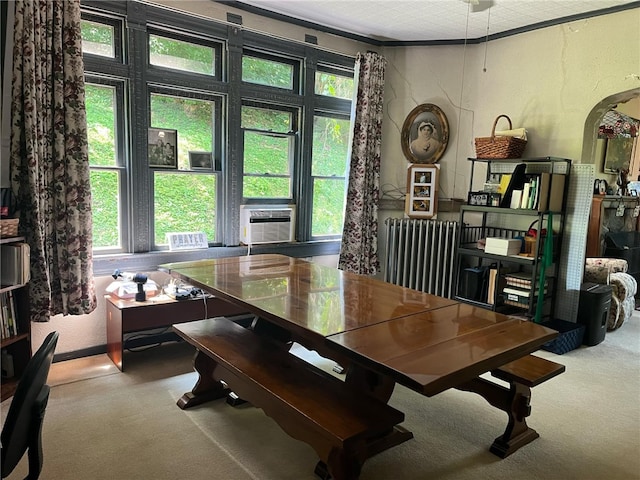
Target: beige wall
x: 548, y: 81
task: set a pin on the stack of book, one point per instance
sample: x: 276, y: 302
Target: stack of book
x: 8, y: 319
x: 519, y: 290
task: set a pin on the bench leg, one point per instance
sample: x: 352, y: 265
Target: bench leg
x: 341, y: 467
x: 516, y: 402
x: 206, y: 387
x: 517, y: 433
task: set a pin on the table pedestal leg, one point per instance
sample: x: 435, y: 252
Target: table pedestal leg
x: 206, y: 388
x: 516, y: 402
x: 376, y: 385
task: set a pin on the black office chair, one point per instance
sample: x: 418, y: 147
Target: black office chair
x: 22, y: 429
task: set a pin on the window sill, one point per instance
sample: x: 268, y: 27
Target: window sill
x: 149, y: 261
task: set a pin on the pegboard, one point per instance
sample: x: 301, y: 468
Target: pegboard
x: 574, y: 241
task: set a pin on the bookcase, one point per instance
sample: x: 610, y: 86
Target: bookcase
x: 503, y: 280
x: 15, y: 344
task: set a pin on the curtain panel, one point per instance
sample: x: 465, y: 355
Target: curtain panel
x: 49, y: 161
x: 359, y: 248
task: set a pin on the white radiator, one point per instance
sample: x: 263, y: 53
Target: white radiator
x: 420, y: 254
x: 266, y: 224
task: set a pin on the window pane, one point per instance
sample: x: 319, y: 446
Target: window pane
x: 329, y: 159
x: 105, y: 186
x: 192, y: 118
x: 265, y: 187
x: 328, y: 207
x: 267, y: 72
x: 101, y: 124
x: 175, y: 207
x: 264, y: 154
x: 97, y: 39
x: 330, y: 146
x: 179, y: 55
x: 334, y: 85
x: 266, y: 119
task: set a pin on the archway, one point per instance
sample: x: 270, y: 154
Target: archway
x: 590, y: 149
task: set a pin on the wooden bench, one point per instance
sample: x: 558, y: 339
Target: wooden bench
x: 522, y: 375
x: 343, y: 426
x: 529, y: 371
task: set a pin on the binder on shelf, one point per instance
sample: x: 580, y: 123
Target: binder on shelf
x: 516, y: 182
x: 556, y: 192
x: 543, y: 196
x: 491, y: 290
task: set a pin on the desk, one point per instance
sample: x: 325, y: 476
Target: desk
x: 127, y: 316
x: 383, y: 334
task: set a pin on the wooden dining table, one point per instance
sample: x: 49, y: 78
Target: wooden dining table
x: 382, y: 334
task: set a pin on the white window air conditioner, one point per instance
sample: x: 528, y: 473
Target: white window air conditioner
x: 266, y: 224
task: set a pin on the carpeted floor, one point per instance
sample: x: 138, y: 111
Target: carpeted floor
x: 126, y: 426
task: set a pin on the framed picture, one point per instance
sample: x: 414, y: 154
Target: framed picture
x: 200, y: 160
x: 422, y: 185
x: 425, y: 134
x: 162, y: 148
x: 618, y: 154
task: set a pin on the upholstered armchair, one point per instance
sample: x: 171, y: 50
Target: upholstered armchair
x: 612, y: 271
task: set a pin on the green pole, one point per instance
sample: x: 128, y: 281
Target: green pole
x: 545, y: 261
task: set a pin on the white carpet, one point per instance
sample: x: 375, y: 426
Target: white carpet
x: 127, y: 426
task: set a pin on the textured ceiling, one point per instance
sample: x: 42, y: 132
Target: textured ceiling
x: 432, y: 20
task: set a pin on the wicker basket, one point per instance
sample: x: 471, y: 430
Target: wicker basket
x: 501, y: 146
x: 9, y: 227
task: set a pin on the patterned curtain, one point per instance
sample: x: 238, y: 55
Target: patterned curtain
x: 359, y: 249
x: 49, y: 156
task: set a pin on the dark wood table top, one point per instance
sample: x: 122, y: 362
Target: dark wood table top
x: 315, y: 298
x: 425, y: 342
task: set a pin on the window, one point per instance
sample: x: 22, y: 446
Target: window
x: 259, y: 135
x: 104, y: 107
x: 175, y: 206
x: 180, y: 55
x: 328, y: 171
x: 98, y: 39
x: 269, y: 145
x: 268, y: 71
x: 334, y: 85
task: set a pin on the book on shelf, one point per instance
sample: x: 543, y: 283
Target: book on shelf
x: 520, y: 279
x: 9, y: 322
x: 521, y: 292
x: 515, y: 303
x: 16, y: 268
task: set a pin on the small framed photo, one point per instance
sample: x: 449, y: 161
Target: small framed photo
x: 200, y: 160
x: 422, y: 186
x: 162, y: 148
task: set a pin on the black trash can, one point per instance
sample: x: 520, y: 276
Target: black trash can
x: 593, y: 311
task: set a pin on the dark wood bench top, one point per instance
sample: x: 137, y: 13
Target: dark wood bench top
x: 529, y: 370
x: 308, y: 403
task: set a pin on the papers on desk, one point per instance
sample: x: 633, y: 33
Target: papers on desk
x: 124, y: 290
